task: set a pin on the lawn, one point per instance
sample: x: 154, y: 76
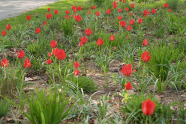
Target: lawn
x: 94, y: 61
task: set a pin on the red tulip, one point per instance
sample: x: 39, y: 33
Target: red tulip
x: 127, y: 70
x: 28, y: 17
x: 84, y: 39
x: 93, y: 7
x: 165, y: 5
x: 145, y: 42
x: 60, y: 54
x: 114, y: 4
x: 27, y: 63
x: 76, y: 64
x: 123, y: 1
x: 73, y: 7
x: 78, y: 18
x: 112, y: 37
x: 49, y: 9
x: 153, y: 11
x: 127, y: 9
x: 66, y: 17
x: 48, y: 61
x: 170, y: 10
x: 140, y: 20
x: 119, y: 18
x: 44, y: 23
x: 128, y: 28
x: 108, y: 19
x: 4, y: 62
x: 89, y: 12
x: 20, y: 54
x: 145, y: 56
x: 8, y: 27
x: 132, y: 5
x: 49, y: 54
x: 76, y: 72
x: 122, y: 23
x: 55, y: 51
x: 128, y: 86
x: 79, y: 8
x: 3, y: 33
x: 130, y: 13
x: 56, y: 12
x: 37, y: 30
x: 88, y: 32
x: 108, y: 11
x: 75, y: 10
x: 48, y: 16
x: 97, y: 13
x: 146, y: 13
x: 80, y: 44
x: 148, y: 107
x: 53, y: 43
x: 131, y: 22
x: 119, y: 10
x: 114, y: 47
x: 99, y: 42
x: 67, y: 12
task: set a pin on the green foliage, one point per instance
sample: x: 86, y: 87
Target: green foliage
x: 161, y: 58
x: 46, y: 107
x: 173, y: 4
x: 4, y: 107
x: 11, y: 80
x: 67, y: 27
x: 133, y: 109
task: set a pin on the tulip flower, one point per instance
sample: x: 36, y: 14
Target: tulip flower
x: 3, y: 33
x: 37, y: 30
x: 128, y: 28
x: 93, y: 7
x: 146, y: 13
x: 80, y: 44
x: 108, y: 11
x: 128, y: 86
x: 97, y: 13
x: 127, y: 70
x: 76, y: 64
x: 76, y: 72
x: 114, y: 47
x: 131, y: 22
x: 99, y: 42
x: 122, y: 23
x: 48, y: 61
x: 8, y: 27
x: 56, y: 12
x: 27, y: 63
x: 79, y: 8
x: 112, y: 37
x: 165, y: 5
x: 60, y: 54
x: 140, y: 20
x: 119, y: 18
x: 28, y: 17
x: 4, y: 63
x: 53, y: 43
x: 132, y: 5
x: 73, y: 7
x: 170, y: 10
x: 145, y: 56
x: 88, y: 32
x: 49, y: 54
x: 119, y: 10
x: 20, y: 54
x: 66, y: 17
x: 145, y: 42
x: 67, y: 12
x: 84, y: 40
x: 77, y: 18
x: 49, y: 9
x: 153, y: 11
x: 48, y: 16
x: 148, y: 107
x: 55, y: 50
x: 127, y: 9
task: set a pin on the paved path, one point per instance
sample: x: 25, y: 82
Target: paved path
x: 10, y: 8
